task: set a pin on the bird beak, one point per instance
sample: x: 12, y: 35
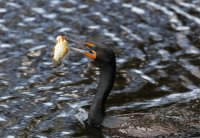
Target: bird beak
x: 91, y: 53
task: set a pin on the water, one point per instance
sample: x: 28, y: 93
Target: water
x: 157, y: 47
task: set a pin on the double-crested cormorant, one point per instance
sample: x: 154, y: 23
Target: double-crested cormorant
x: 138, y: 124
x: 104, y: 58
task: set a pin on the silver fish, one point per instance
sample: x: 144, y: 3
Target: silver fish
x: 60, y: 50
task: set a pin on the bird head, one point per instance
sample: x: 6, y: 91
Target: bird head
x: 99, y: 53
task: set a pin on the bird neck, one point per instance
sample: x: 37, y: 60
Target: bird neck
x: 106, y: 82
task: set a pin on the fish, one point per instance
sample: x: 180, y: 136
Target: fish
x: 60, y: 50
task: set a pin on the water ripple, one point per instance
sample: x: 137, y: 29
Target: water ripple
x: 157, y: 50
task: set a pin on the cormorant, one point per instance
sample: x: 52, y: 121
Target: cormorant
x: 137, y: 124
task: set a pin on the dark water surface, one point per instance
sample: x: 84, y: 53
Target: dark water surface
x: 158, y: 63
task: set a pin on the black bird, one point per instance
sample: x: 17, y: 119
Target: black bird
x: 104, y: 58
x: 138, y: 124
